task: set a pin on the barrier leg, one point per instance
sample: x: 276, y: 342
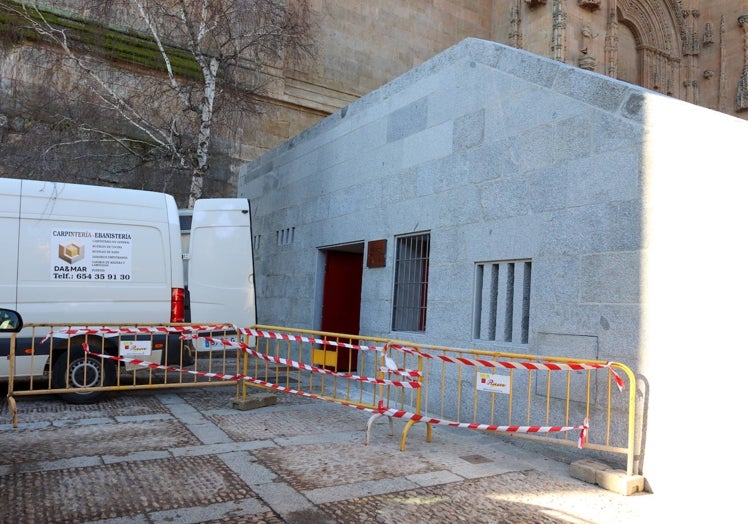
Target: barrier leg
x: 13, y: 410
x: 370, y: 422
x: 407, y: 427
x: 404, y: 435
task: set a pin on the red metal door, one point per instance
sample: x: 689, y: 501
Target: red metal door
x: 341, y: 301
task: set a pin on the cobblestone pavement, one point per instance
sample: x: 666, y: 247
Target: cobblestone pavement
x: 185, y: 456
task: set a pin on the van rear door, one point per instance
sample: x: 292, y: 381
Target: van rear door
x: 10, y: 201
x: 220, y: 269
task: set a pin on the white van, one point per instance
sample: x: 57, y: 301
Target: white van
x: 88, y: 255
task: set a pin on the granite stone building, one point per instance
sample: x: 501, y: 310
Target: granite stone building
x: 584, y: 195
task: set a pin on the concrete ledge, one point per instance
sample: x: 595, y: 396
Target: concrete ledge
x: 253, y: 401
x: 617, y: 481
x: 586, y: 470
x: 614, y: 480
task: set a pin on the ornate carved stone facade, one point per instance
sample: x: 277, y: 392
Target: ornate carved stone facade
x: 694, y: 50
x: 690, y: 49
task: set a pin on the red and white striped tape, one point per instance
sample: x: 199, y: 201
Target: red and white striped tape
x: 532, y: 366
x: 108, y: 331
x: 395, y: 413
x: 225, y: 376
x: 261, y: 333
x: 401, y: 372
x: 299, y: 365
x: 154, y: 365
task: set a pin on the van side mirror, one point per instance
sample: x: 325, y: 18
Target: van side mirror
x: 10, y: 321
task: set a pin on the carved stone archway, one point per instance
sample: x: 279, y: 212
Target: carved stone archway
x: 658, y: 30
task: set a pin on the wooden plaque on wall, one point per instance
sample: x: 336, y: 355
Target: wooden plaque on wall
x: 376, y: 253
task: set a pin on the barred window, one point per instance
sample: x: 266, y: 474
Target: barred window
x: 411, y: 283
x: 502, y: 301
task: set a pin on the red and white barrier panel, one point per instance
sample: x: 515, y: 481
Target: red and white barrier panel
x: 108, y: 331
x: 261, y: 333
x: 532, y: 366
x: 405, y: 415
x: 299, y: 365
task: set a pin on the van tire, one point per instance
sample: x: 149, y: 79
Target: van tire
x: 82, y: 367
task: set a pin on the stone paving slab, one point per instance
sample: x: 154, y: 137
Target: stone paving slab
x: 269, y: 423
x: 53, y: 443
x: 118, y: 490
x: 49, y: 408
x: 184, y: 456
x: 325, y: 465
x: 522, y: 496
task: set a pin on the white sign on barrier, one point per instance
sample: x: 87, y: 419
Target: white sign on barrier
x: 134, y: 348
x: 493, y: 383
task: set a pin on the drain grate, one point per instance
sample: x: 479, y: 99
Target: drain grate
x: 476, y: 459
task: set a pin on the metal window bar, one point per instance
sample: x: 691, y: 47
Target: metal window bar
x: 411, y: 283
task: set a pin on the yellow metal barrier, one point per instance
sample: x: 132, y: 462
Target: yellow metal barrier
x: 364, y: 372
x: 337, y: 367
x: 553, y: 399
x: 80, y: 363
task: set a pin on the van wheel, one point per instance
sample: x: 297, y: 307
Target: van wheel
x: 83, y: 371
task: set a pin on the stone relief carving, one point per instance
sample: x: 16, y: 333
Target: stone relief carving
x: 558, y: 44
x: 590, y: 4
x: 586, y: 60
x: 676, y: 47
x: 661, y: 27
x: 708, y: 35
x: 742, y: 96
x: 691, y: 42
x: 722, y: 104
x: 611, y: 45
x: 515, y: 22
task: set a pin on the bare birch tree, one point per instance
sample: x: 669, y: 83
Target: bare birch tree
x: 165, y: 70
